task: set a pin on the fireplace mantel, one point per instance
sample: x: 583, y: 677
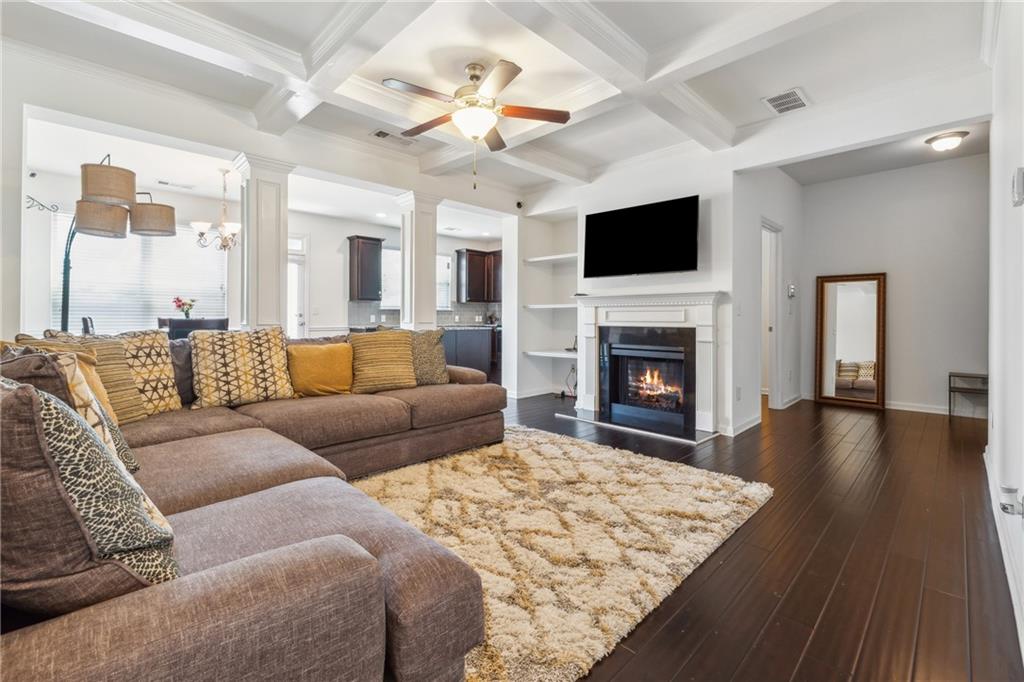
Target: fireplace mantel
x: 696, y: 309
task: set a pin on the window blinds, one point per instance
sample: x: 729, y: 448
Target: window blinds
x: 126, y: 284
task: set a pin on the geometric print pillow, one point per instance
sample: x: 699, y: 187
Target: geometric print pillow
x: 866, y: 369
x: 237, y: 368
x: 149, y: 358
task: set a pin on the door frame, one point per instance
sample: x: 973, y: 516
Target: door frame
x: 302, y: 259
x: 776, y: 401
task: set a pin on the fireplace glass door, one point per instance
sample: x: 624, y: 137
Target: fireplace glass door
x: 652, y: 384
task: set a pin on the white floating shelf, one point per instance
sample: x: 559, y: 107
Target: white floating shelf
x: 550, y: 306
x: 567, y: 354
x: 557, y: 258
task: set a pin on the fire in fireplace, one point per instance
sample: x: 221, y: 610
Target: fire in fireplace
x: 647, y: 377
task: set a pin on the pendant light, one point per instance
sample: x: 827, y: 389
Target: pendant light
x: 225, y: 234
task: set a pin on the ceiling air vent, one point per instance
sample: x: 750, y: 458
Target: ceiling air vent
x: 390, y: 138
x: 176, y: 185
x: 787, y: 101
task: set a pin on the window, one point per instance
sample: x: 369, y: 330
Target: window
x: 444, y: 282
x: 125, y: 284
x: 391, y: 279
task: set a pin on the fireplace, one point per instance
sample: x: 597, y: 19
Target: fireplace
x: 647, y: 378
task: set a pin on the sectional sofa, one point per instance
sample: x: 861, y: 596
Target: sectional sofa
x: 287, y: 572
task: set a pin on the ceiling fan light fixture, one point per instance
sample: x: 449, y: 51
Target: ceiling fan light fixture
x: 474, y: 121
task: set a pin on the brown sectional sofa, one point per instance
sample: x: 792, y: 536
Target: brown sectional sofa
x: 287, y: 571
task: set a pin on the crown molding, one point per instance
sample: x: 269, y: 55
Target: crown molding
x: 246, y: 163
x: 345, y: 23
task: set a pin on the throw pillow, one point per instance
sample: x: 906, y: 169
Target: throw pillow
x: 428, y: 359
x: 148, y: 354
x: 320, y: 369
x: 236, y: 368
x: 114, y: 371
x: 866, y: 369
x: 59, y: 374
x: 86, y: 362
x: 382, y: 361
x: 848, y: 370
x: 181, y: 358
x: 77, y: 528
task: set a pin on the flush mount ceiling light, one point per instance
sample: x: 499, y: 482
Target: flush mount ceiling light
x: 946, y: 141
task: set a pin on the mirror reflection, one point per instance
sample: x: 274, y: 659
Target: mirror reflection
x: 848, y: 337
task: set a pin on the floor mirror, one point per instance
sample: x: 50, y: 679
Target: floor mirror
x: 850, y: 346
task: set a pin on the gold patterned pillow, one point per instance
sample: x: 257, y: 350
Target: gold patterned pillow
x: 112, y: 366
x: 866, y: 369
x: 848, y: 370
x: 382, y: 361
x: 428, y: 361
x: 148, y: 354
x: 236, y: 368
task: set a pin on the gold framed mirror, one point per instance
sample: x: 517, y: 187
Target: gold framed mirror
x: 850, y: 340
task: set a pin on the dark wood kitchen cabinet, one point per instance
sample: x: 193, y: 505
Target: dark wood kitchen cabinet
x: 478, y: 276
x: 364, y: 268
x: 468, y: 347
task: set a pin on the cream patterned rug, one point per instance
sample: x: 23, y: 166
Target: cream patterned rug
x: 575, y: 542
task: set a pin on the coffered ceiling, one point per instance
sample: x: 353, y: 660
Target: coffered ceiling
x: 636, y: 76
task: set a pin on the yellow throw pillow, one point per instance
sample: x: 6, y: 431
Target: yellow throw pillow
x: 86, y: 363
x: 382, y: 361
x: 237, y: 368
x: 320, y: 370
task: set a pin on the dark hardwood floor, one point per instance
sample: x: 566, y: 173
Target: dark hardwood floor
x: 876, y: 559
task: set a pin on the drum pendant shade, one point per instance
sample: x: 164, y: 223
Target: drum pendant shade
x: 108, y: 184
x: 153, y: 220
x: 101, y: 220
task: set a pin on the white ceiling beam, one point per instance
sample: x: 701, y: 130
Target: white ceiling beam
x: 765, y: 26
x: 679, y: 104
x: 282, y: 107
x: 540, y: 162
x: 175, y: 27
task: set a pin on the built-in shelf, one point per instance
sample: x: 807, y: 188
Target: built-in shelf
x: 567, y: 354
x: 550, y: 306
x: 556, y: 258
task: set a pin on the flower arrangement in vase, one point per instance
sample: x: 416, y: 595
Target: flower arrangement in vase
x: 185, y: 305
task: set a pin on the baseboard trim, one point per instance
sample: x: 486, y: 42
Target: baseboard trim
x: 1008, y: 540
x: 532, y: 393
x: 746, y: 426
x: 792, y: 400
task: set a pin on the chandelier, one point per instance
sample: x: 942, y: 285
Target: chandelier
x: 223, y: 235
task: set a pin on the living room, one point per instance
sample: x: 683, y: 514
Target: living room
x: 566, y: 289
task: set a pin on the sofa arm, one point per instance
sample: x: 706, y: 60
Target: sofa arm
x: 466, y: 375
x: 313, y: 610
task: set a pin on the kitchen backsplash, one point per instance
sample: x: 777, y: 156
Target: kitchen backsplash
x: 359, y: 313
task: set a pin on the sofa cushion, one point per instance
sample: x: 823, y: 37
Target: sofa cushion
x: 382, y: 361
x: 77, y: 528
x: 320, y: 369
x: 327, y: 420
x: 237, y: 368
x: 60, y: 375
x: 433, y: 600
x: 223, y: 466
x: 447, y: 403
x: 185, y: 423
x: 428, y: 360
x: 112, y: 366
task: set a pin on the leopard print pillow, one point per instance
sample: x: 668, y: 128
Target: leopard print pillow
x: 122, y: 521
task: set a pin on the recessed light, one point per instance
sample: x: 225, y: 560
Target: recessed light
x: 487, y: 234
x: 947, y: 141
x: 382, y: 215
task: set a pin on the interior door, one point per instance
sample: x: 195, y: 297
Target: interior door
x: 296, y: 321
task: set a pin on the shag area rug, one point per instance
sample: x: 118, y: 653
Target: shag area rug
x: 575, y: 542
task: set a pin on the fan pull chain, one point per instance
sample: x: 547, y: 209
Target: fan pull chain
x: 476, y: 143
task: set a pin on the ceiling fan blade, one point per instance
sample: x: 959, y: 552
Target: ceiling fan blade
x: 495, y: 142
x: 498, y: 79
x: 424, y: 127
x: 533, y: 113
x: 396, y: 84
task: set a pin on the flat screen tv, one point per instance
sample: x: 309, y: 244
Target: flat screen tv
x: 642, y: 240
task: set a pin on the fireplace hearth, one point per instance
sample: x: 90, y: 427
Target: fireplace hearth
x: 647, y: 377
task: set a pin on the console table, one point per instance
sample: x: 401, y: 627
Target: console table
x: 977, y: 384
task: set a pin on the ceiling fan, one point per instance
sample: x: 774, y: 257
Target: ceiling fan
x: 477, y: 110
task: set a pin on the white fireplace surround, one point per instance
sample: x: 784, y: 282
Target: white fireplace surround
x: 697, y: 310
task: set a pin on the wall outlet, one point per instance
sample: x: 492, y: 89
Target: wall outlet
x: 479, y: 318
x: 456, y: 318
x: 739, y: 394
x: 373, y: 318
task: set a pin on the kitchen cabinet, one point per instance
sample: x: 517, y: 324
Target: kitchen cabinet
x: 478, y: 276
x: 469, y: 347
x: 364, y: 268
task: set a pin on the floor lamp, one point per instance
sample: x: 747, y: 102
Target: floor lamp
x: 108, y: 200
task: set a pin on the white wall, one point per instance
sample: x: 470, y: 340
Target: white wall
x: 855, y: 323
x: 758, y: 196
x: 926, y: 227
x: 1005, y: 454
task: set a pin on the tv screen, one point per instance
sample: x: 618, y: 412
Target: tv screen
x: 641, y: 240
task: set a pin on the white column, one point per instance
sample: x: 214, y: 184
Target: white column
x: 419, y: 260
x: 264, y: 240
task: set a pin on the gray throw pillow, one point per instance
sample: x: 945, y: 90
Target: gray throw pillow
x: 428, y: 361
